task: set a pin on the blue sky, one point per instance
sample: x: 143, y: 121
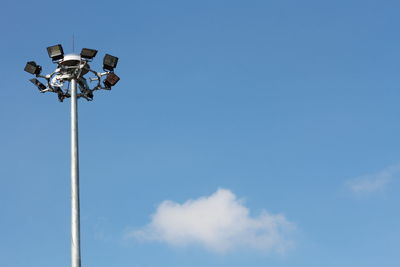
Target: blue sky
x: 289, y: 108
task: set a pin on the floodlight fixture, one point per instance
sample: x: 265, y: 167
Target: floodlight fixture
x: 111, y: 80
x: 38, y: 84
x: 32, y: 68
x: 109, y: 62
x: 56, y: 52
x: 88, y: 53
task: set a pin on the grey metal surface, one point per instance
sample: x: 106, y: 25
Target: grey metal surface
x: 75, y: 211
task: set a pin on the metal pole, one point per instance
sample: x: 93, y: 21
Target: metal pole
x: 75, y: 227
x: 70, y: 68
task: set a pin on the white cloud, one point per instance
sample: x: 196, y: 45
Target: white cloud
x: 219, y: 222
x: 372, y: 183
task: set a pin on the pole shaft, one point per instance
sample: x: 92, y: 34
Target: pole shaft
x: 75, y: 216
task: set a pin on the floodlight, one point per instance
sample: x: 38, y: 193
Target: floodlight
x: 33, y: 68
x: 88, y: 53
x: 111, y: 80
x: 56, y: 52
x: 109, y: 62
x: 38, y: 84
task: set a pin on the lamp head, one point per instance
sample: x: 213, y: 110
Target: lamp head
x: 110, y: 62
x: 32, y: 68
x: 88, y: 53
x: 56, y: 52
x: 38, y: 84
x: 111, y: 80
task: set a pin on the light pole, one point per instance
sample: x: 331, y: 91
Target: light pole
x: 64, y: 80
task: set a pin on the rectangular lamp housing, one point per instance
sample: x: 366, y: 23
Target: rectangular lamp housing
x: 56, y: 52
x: 32, y: 68
x: 109, y: 62
x: 88, y: 53
x: 38, y: 84
x: 111, y: 80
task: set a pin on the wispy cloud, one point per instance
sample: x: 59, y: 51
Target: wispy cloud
x: 376, y: 182
x: 219, y: 222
